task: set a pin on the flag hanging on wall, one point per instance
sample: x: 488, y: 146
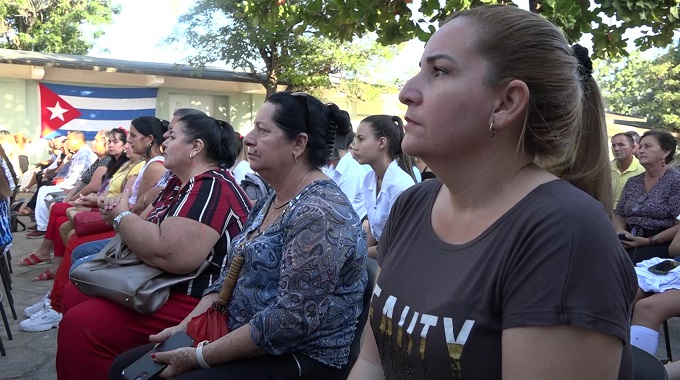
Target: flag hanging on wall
x: 64, y: 108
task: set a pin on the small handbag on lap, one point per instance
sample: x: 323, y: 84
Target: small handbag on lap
x: 89, y: 223
x: 118, y: 275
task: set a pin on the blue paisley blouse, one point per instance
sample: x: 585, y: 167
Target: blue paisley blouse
x: 303, y: 279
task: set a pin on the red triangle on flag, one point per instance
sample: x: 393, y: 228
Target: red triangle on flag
x: 55, y: 112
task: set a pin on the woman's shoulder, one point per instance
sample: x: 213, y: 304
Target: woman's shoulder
x: 243, y: 165
x: 323, y: 193
x: 137, y: 167
x: 414, y: 198
x: 563, y: 202
x: 220, y: 175
x: 397, y: 180
x: 673, y: 174
x: 159, y: 159
x: 103, y: 161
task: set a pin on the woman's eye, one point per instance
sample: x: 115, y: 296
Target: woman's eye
x: 438, y: 71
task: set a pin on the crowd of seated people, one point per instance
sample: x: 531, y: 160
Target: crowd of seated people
x: 143, y: 144
x: 112, y: 158
x: 82, y: 157
x: 154, y: 184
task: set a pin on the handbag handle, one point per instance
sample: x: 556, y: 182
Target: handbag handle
x: 121, y: 256
x: 230, y: 281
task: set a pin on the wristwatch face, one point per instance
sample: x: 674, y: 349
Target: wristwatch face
x: 116, y: 220
x: 115, y: 223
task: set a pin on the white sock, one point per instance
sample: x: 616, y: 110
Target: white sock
x: 644, y: 338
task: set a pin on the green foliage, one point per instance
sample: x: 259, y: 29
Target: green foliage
x: 394, y: 21
x: 53, y: 26
x: 287, y: 52
x: 643, y: 87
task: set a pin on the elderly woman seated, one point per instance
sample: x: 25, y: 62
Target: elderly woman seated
x: 645, y: 216
x: 294, y: 311
x: 191, y: 221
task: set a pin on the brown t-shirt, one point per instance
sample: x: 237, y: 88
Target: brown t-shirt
x: 439, y: 310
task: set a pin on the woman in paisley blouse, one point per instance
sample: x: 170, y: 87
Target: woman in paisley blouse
x: 645, y: 216
x: 294, y: 311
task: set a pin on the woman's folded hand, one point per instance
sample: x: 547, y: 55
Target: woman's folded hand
x: 179, y: 361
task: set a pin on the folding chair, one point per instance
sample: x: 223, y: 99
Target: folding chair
x: 6, y: 279
x: 6, y: 322
x: 667, y: 341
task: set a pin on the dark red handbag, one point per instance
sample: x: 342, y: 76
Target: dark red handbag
x: 89, y: 223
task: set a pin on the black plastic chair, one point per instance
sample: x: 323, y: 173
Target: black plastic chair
x: 7, y: 279
x: 667, y: 341
x: 647, y: 366
x: 6, y: 322
x: 355, y: 348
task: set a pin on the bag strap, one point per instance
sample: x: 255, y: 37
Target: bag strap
x: 119, y: 253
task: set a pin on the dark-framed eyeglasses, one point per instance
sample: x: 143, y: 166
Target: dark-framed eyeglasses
x: 308, y: 121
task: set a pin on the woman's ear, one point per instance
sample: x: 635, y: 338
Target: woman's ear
x: 511, y: 105
x: 382, y: 142
x: 300, y: 144
x: 197, y: 146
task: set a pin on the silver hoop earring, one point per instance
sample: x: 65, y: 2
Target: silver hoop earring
x: 295, y: 157
x: 492, y: 132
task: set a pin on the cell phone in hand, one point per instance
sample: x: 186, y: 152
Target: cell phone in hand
x: 146, y: 368
x: 625, y: 237
x: 664, y: 267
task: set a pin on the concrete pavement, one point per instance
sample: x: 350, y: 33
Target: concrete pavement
x: 29, y: 355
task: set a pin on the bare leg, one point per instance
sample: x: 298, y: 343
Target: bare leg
x: 44, y: 250
x: 652, y: 311
x: 640, y: 295
x: 56, y: 263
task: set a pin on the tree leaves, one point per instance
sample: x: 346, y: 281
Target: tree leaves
x: 278, y: 42
x: 394, y: 21
x: 643, y: 87
x: 53, y: 26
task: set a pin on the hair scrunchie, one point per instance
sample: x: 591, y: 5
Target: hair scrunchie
x: 585, y: 65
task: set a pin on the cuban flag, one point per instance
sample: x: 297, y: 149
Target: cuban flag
x: 65, y: 108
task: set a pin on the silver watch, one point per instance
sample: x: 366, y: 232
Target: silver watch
x: 116, y: 221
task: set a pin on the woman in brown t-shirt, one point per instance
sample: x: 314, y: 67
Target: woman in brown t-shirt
x: 499, y: 269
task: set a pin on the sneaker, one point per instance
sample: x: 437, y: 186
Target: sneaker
x: 43, y: 320
x: 35, y: 234
x: 32, y: 228
x: 37, y: 306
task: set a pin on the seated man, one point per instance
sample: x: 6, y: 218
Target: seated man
x: 82, y: 159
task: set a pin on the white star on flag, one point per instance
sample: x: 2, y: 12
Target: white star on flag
x: 57, y: 111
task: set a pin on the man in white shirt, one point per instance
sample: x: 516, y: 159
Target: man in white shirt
x: 348, y: 173
x: 82, y: 159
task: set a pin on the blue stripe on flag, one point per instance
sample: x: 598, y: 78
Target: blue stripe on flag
x: 102, y: 92
x: 115, y: 115
x: 63, y: 132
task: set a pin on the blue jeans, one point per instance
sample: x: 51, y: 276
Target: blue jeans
x: 85, y: 252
